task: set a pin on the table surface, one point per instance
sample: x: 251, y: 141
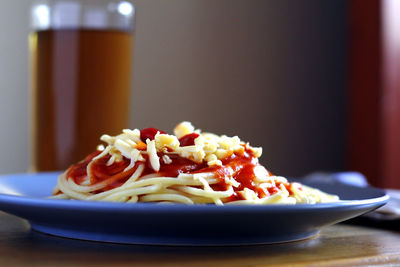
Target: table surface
x: 338, y: 245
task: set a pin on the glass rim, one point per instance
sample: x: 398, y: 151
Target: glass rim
x: 74, y: 14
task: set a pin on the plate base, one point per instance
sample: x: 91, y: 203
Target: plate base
x: 165, y: 240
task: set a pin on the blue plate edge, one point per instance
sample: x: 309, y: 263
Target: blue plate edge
x: 38, y: 201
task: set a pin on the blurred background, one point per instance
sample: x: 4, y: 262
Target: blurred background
x: 290, y: 76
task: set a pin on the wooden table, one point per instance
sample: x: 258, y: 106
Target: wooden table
x: 339, y: 245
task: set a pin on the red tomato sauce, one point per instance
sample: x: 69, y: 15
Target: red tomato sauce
x: 188, y: 140
x: 238, y: 165
x: 149, y: 133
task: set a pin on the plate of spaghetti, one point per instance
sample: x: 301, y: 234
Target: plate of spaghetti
x: 187, y: 188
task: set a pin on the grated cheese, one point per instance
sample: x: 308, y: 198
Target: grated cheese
x: 208, y: 147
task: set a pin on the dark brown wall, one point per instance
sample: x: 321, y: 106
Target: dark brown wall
x: 272, y: 72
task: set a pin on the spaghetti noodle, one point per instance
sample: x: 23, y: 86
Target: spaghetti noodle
x: 188, y: 167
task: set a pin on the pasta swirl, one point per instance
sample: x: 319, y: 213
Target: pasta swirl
x: 189, y: 167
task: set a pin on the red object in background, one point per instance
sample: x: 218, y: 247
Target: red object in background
x: 364, y: 111
x: 374, y: 100
x: 390, y: 98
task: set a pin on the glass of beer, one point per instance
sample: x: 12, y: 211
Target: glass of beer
x: 81, y: 57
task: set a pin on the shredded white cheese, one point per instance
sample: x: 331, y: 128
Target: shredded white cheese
x: 153, y: 157
x: 208, y: 147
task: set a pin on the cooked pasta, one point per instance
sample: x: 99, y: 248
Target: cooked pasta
x: 189, y: 167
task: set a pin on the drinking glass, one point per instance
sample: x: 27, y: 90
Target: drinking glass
x: 81, y: 53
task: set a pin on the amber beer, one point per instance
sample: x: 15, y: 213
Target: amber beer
x: 80, y: 90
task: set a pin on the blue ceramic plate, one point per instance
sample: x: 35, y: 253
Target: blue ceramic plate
x: 177, y: 224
